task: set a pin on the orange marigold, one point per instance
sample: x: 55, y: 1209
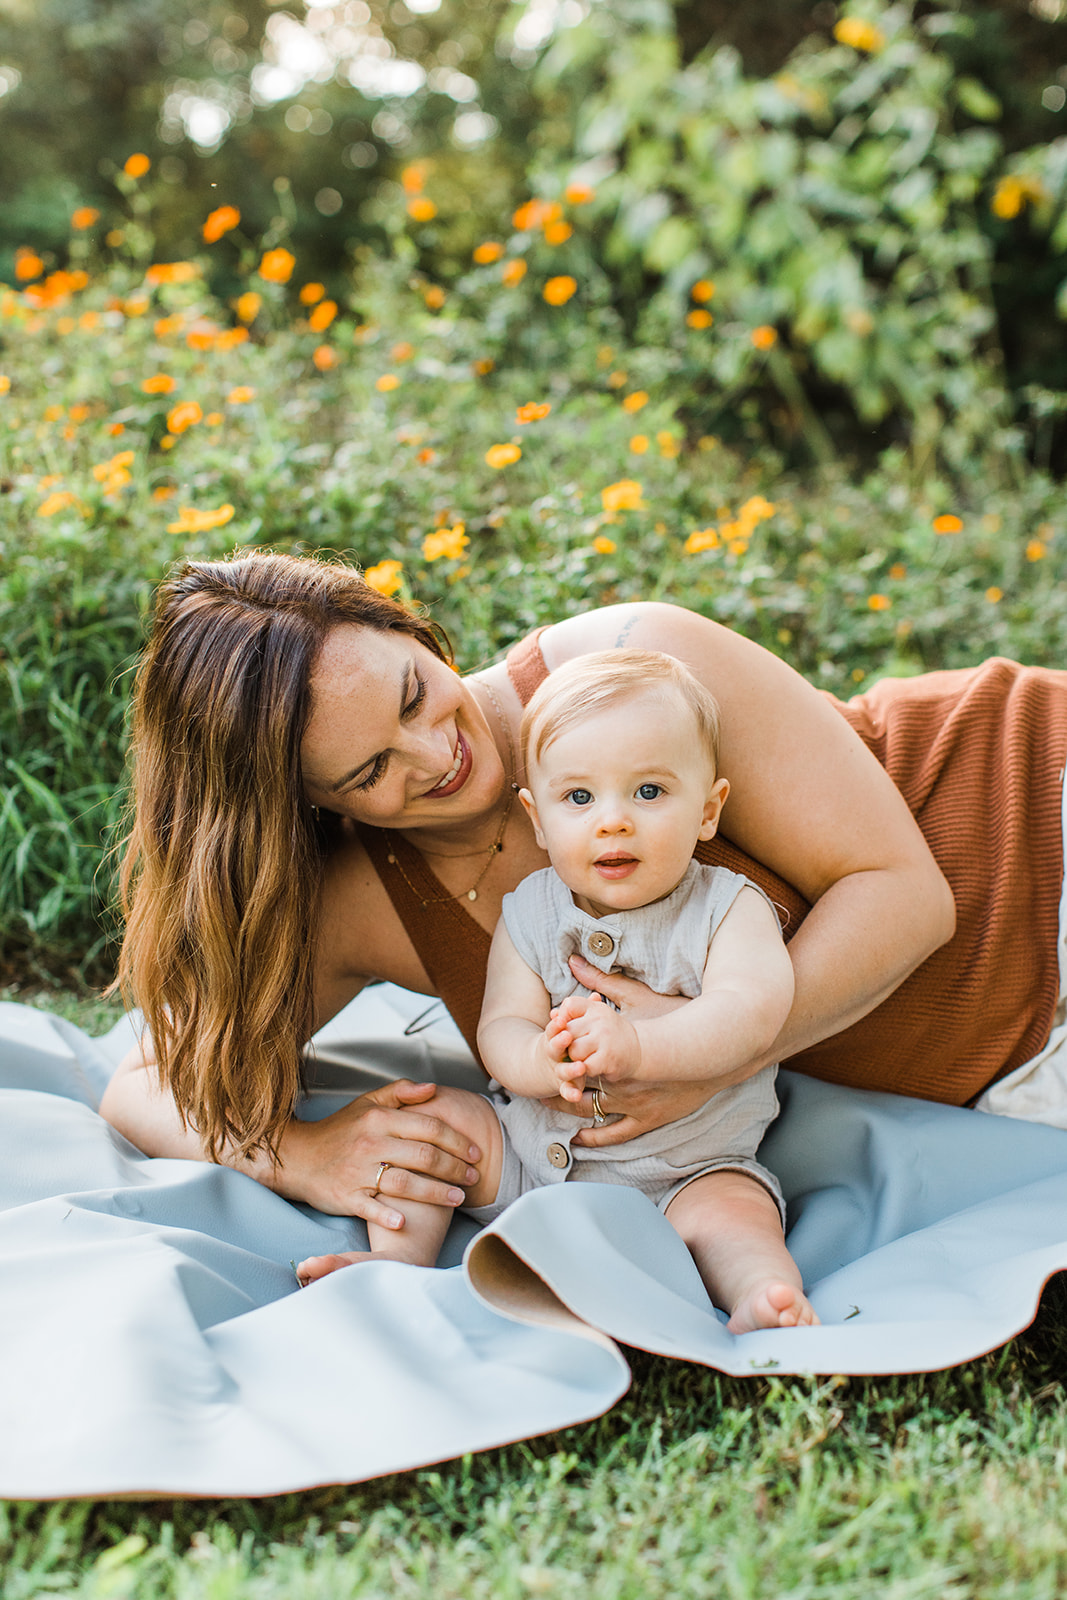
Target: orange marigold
x: 622, y: 496
x: 164, y: 491
x: 83, y: 218
x: 163, y: 327
x: 247, y: 305
x: 994, y: 595
x: 447, y: 542
x: 387, y: 382
x: 324, y: 356
x: 533, y: 411
x: 702, y: 539
x: 159, y: 383
x: 1035, y: 550
x: 878, y: 602
x: 421, y: 208
x: 557, y: 291
x: 59, y: 500
x: 859, y: 35
x: 534, y: 214
x: 485, y: 254
x: 604, y: 546
x: 764, y: 337
x: 557, y: 232
x: 322, y: 316
x: 386, y: 577
x: 702, y: 290
x: 513, y: 272
x: 502, y: 455
x: 172, y: 272
x: 202, y: 334
x: 634, y: 402
x: 277, y: 265
x: 483, y: 366
x: 699, y: 318
x: 639, y: 444
x: 948, y: 524
x: 136, y: 166
x: 220, y: 221
x: 183, y: 416
x: 241, y: 395
x: 312, y: 293
x: 434, y: 297
x: 190, y: 520
x: 402, y: 351
x: 578, y: 194
x: 413, y: 177
x: 231, y: 338
x: 214, y: 419
x: 28, y: 264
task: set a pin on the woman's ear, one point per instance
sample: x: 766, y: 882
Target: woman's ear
x: 712, y: 807
x: 531, y: 811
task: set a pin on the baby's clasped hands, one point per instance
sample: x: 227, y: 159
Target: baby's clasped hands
x: 587, y: 1038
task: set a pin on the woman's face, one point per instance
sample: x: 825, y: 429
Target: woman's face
x: 395, y: 737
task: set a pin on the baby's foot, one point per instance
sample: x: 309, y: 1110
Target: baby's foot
x: 321, y: 1266
x: 772, y: 1304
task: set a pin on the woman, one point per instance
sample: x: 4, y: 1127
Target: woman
x: 321, y: 801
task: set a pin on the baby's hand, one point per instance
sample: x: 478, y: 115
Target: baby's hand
x: 600, y: 1042
x: 557, y: 1037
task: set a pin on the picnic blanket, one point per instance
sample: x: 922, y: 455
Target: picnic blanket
x: 153, y: 1340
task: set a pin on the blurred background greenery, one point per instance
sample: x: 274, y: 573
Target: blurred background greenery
x: 785, y: 284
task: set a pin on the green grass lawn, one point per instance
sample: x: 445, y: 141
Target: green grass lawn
x: 941, y: 1485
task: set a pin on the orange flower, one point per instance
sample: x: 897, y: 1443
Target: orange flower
x: 622, y: 496
x: 699, y: 318
x: 702, y: 290
x: 231, y: 338
x: 190, y: 520
x: 668, y: 445
x: 994, y: 595
x: 277, y: 265
x: 164, y: 491
x: 702, y: 539
x: 322, y: 316
x: 402, y: 351
x: 202, y: 334
x: 485, y: 254
x: 184, y: 416
x: 136, y: 166
x: 534, y: 214
x: 79, y: 413
x: 421, y: 209
x: 28, y: 264
x: 1035, y: 550
x: 859, y: 34
x: 221, y: 220
x: 163, y: 327
x: 114, y: 237
x: 159, y: 383
x: 83, y: 218
x: 413, y: 177
x: 241, y: 395
x: 386, y: 577
x: 603, y: 545
x: 639, y: 444
x: 483, y: 366
x: 764, y: 337
x: 88, y: 321
x: 247, y: 305
x: 136, y: 306
x: 533, y: 411
x: 387, y: 383
x: 434, y: 297
x: 447, y: 542
x: 948, y: 524
x: 898, y: 571
x: 312, y: 293
x: 557, y: 232
x: 513, y: 272
x: 214, y: 419
x: 324, y: 356
x: 426, y: 457
x: 617, y: 380
x: 58, y: 501
x: 65, y: 325
x: 502, y: 455
x: 878, y: 602
x: 115, y: 428
x: 172, y: 272
x: 557, y: 291
x: 578, y: 194
x: 635, y: 401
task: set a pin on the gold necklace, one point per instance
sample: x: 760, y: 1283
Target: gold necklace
x: 498, y: 843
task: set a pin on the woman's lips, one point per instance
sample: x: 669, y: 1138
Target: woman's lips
x: 463, y: 771
x: 615, y: 867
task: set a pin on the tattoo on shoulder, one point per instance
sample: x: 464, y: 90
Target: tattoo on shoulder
x: 621, y: 640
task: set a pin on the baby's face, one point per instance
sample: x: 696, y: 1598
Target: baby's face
x: 619, y: 801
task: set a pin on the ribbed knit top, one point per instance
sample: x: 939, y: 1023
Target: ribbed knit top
x: 979, y: 756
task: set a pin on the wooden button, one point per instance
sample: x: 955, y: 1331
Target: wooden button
x: 601, y: 943
x: 557, y: 1154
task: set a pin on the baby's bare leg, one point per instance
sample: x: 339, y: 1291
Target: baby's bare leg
x: 734, y: 1232
x: 425, y: 1226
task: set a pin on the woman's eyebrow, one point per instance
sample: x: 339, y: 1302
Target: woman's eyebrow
x: 342, y: 783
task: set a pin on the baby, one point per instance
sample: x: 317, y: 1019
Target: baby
x: 620, y: 750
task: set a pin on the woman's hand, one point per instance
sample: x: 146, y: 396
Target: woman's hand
x: 334, y: 1164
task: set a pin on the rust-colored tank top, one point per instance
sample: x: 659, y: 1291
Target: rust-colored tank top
x: 979, y: 757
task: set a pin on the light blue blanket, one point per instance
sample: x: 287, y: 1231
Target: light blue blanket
x: 153, y: 1340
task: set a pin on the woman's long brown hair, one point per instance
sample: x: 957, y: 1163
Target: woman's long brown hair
x: 223, y: 864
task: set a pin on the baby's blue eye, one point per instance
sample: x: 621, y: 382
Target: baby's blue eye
x: 649, y: 791
x: 579, y: 797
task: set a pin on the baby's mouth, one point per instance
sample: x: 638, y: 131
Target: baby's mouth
x: 616, y: 865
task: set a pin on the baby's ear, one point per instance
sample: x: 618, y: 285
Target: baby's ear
x: 712, y: 808
x: 531, y: 811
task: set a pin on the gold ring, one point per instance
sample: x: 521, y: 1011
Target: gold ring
x: 598, y: 1110
x: 383, y: 1168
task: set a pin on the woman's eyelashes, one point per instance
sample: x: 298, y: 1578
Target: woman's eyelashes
x: 409, y: 709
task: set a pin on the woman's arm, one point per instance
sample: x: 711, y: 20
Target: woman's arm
x: 808, y: 800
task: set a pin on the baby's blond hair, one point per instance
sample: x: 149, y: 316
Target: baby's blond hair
x: 589, y: 684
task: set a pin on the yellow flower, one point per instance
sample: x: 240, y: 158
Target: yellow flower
x: 322, y: 316
x: 668, y: 445
x: 386, y: 577
x: 1035, y: 550
x: 578, y: 194
x: 159, y: 383
x: 639, y: 444
x: 184, y: 416
x: 604, y: 546
x: 59, y: 500
x: 699, y: 318
x: 277, y: 265
x: 247, y: 305
x: 859, y: 34
x: 994, y: 595
x: 878, y: 602
x: 434, y: 297
x: 532, y: 411
x: 702, y: 539
x: 83, y: 218
x: 485, y: 254
x: 387, y: 382
x: 764, y: 337
x: 190, y: 520
x: 136, y: 166
x: 324, y: 357
x: 635, y: 401
x: 171, y: 272
x: 312, y: 293
x: 402, y: 351
x: 221, y: 220
x: 447, y: 542
x: 241, y: 395
x: 502, y: 455
x: 421, y: 209
x: 557, y: 232
x: 622, y: 496
x: 5, y: 383
x: 702, y: 290
x: 557, y: 291
x: 947, y: 524
x: 513, y: 272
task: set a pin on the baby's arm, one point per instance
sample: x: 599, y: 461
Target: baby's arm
x: 745, y: 997
x: 512, y: 1039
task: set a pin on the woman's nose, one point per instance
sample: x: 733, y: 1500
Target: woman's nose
x: 430, y: 749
